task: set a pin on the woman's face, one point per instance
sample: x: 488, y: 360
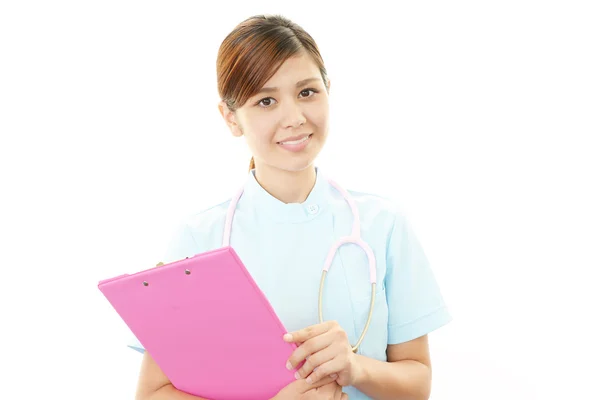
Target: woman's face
x: 287, y: 122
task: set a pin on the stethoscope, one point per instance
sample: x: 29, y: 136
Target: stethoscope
x: 354, y: 238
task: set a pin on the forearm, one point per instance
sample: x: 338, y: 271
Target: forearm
x: 399, y: 380
x: 168, y: 392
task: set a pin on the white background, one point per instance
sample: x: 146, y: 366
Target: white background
x: 480, y: 118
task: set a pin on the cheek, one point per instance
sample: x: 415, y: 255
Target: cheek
x: 262, y: 135
x: 319, y: 116
x: 259, y: 137
x: 257, y: 129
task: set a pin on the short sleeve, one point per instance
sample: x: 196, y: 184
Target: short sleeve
x: 136, y: 345
x: 181, y: 245
x: 415, y: 303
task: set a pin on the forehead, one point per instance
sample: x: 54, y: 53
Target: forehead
x: 293, y: 70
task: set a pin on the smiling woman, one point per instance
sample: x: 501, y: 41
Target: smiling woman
x: 274, y: 90
x: 380, y: 298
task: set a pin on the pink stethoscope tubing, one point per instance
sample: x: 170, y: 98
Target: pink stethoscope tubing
x: 353, y: 238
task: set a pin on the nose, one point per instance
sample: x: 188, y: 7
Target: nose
x: 293, y: 117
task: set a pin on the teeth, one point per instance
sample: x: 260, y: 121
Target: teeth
x: 305, y: 138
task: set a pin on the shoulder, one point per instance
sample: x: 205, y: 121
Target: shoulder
x: 373, y: 206
x: 195, y: 233
x: 209, y: 216
x: 374, y: 201
x: 205, y: 227
x: 382, y: 218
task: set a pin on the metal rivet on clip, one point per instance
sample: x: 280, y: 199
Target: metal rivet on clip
x: 145, y: 283
x: 187, y: 272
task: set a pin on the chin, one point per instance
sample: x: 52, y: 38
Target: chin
x: 297, y: 167
x: 299, y: 162
x: 295, y: 162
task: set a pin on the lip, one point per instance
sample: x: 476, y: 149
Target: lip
x: 292, y: 138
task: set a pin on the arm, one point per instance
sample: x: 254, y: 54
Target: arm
x: 153, y: 384
x: 406, y: 375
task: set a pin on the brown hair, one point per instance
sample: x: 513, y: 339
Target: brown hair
x: 253, y: 52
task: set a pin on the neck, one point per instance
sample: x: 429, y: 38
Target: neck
x: 286, y: 186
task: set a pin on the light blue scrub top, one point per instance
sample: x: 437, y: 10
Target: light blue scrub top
x: 284, y: 247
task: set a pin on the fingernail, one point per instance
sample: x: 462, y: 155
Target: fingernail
x: 288, y: 365
x: 297, y: 375
x: 287, y: 337
x: 334, y: 376
x: 309, y: 380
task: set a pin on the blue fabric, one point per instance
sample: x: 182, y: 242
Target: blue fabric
x: 284, y: 247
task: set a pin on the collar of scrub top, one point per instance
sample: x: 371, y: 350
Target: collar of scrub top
x: 273, y: 209
x: 297, y: 209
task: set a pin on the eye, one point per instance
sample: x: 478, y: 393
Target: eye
x: 263, y: 105
x: 261, y: 101
x: 309, y: 90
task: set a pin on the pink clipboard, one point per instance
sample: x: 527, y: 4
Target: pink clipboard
x: 207, y: 324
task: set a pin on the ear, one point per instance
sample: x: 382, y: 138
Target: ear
x: 230, y: 119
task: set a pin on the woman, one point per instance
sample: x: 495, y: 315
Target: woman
x: 274, y: 90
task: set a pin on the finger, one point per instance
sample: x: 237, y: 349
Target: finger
x: 305, y: 386
x: 344, y: 396
x: 315, y: 360
x: 326, y: 369
x: 307, y: 349
x: 309, y: 332
x: 328, y: 391
x: 338, y: 392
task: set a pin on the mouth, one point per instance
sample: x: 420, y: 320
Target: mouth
x: 295, y: 140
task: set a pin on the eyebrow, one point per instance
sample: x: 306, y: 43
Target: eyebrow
x: 274, y: 89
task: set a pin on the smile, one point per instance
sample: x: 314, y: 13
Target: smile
x: 292, y: 142
x: 296, y: 144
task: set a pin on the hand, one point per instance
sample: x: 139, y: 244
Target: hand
x: 325, y: 389
x: 326, y: 349
x: 331, y: 391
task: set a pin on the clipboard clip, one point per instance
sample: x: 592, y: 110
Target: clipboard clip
x: 160, y: 264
